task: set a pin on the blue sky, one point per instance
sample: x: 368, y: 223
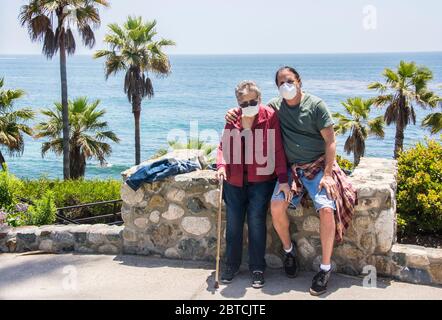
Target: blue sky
x: 263, y: 26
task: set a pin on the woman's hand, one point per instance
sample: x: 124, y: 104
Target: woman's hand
x: 221, y: 174
x: 284, y: 187
x: 232, y: 115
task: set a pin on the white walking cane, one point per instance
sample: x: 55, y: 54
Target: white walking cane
x: 218, y: 246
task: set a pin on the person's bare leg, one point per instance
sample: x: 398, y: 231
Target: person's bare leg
x: 327, y: 233
x: 281, y: 222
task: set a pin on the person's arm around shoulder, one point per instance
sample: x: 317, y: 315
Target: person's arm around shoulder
x: 275, y: 103
x: 232, y: 115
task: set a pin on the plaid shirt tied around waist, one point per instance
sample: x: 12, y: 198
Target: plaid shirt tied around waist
x: 347, y: 195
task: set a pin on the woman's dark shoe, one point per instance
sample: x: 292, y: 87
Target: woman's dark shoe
x: 228, y: 274
x: 258, y: 279
x: 291, y: 263
x: 319, y: 283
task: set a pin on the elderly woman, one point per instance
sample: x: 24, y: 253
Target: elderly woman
x: 250, y: 159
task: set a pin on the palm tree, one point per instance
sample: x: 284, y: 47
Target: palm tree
x: 133, y: 50
x: 359, y: 124
x: 87, y: 136
x: 12, y: 123
x: 51, y: 22
x: 402, y: 89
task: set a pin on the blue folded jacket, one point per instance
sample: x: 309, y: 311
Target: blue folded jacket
x: 160, y: 170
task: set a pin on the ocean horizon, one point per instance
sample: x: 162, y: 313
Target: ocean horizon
x: 199, y: 90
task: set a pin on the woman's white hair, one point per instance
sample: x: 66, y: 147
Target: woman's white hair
x: 245, y: 87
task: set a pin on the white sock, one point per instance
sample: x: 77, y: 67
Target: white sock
x: 289, y: 250
x: 325, y: 267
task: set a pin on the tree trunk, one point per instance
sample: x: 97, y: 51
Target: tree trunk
x: 77, y: 164
x: 399, y: 140
x: 2, y: 160
x: 137, y: 114
x: 356, y: 158
x: 400, y: 127
x: 65, y: 111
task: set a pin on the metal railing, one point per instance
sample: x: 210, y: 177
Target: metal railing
x: 61, y: 217
x: 115, y: 215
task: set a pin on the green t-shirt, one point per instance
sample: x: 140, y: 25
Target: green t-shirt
x: 301, y: 126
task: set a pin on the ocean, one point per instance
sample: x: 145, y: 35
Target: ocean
x: 197, y: 93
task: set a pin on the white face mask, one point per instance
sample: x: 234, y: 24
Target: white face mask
x: 288, y: 91
x: 250, y: 111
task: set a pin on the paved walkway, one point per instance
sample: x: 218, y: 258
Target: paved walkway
x: 75, y: 276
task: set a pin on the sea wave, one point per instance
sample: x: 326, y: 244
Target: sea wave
x: 344, y: 87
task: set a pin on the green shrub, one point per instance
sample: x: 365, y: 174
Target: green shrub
x: 74, y: 192
x: 344, y: 163
x: 18, y: 219
x: 9, y: 189
x: 46, y: 194
x: 18, y: 215
x: 419, y: 196
x: 44, y: 211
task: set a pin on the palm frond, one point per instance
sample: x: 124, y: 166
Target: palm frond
x: 377, y: 86
x: 12, y: 122
x: 406, y: 69
x: 376, y: 127
x: 433, y: 121
x: 383, y: 100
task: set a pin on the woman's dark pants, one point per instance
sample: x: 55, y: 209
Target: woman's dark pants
x: 251, y: 200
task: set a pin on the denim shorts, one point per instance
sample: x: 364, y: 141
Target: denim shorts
x: 320, y: 199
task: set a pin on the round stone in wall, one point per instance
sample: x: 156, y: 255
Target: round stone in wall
x: 212, y: 197
x: 141, y: 223
x: 155, y: 216
x: 196, y: 225
x: 46, y: 245
x: 363, y: 223
x: 368, y: 242
x: 157, y: 201
x: 295, y: 212
x: 384, y: 229
x: 175, y: 195
x: 174, y: 212
x: 130, y: 196
x: 108, y: 249
x: 195, y: 205
x: 311, y: 224
x: 172, y: 253
x: 129, y: 235
x: 306, y: 250
x: 273, y: 261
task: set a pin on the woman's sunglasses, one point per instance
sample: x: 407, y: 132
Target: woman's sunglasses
x: 251, y: 103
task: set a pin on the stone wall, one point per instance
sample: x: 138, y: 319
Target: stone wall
x: 59, y: 238
x: 176, y: 218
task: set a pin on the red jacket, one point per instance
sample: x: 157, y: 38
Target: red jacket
x: 266, y: 122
